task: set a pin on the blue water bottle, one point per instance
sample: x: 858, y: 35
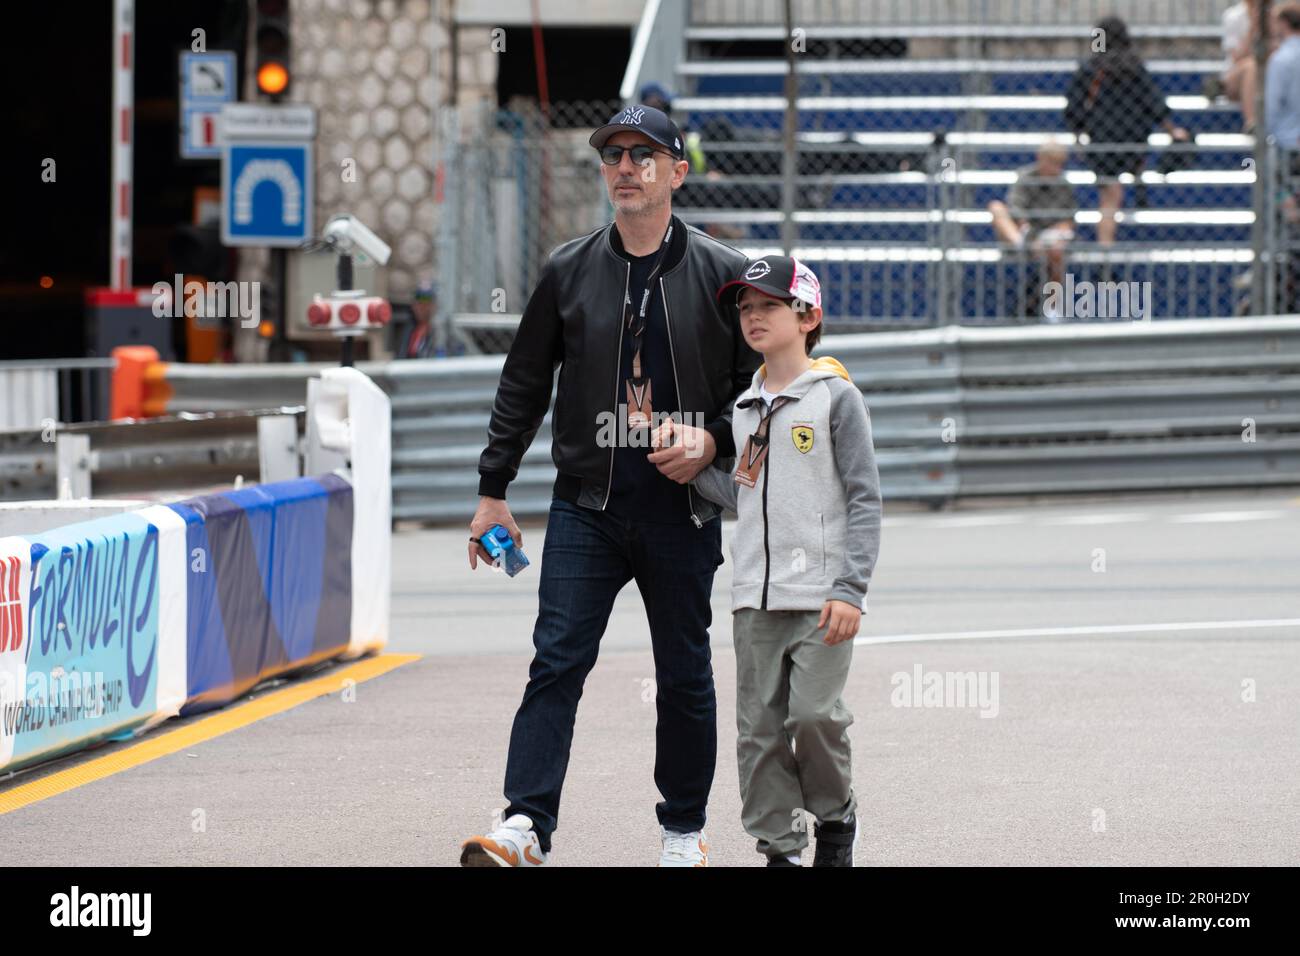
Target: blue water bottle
x: 501, y: 547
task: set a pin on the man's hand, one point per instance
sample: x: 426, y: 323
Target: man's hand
x: 490, y: 511
x: 844, y: 620
x: 684, y: 452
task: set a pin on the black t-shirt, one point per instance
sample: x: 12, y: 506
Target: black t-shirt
x: 638, y: 489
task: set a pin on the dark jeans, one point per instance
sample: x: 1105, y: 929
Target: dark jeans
x: 588, y: 557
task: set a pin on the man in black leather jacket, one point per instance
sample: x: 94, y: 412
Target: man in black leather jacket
x: 629, y: 315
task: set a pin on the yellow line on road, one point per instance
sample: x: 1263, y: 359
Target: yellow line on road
x: 161, y: 744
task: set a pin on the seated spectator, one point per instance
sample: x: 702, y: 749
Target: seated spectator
x: 1282, y: 80
x: 1039, y: 211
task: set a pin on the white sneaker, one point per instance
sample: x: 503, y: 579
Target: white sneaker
x: 684, y: 849
x: 513, y: 843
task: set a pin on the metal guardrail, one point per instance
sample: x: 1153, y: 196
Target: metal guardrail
x: 964, y: 411
x: 223, y: 388
x: 955, y: 410
x: 177, y: 453
x: 33, y: 392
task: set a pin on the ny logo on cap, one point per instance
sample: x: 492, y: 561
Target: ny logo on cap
x: 631, y: 117
x: 758, y: 269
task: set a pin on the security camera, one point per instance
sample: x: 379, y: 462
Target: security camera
x: 348, y: 234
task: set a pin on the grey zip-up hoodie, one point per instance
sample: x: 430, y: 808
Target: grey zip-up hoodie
x: 809, y: 530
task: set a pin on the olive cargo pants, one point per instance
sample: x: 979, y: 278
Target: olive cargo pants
x: 793, y: 743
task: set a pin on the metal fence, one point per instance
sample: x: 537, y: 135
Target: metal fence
x: 518, y: 183
x: 956, y: 411
x: 875, y: 13
x: 912, y: 234
x: 1279, y: 268
x: 939, y: 175
x: 175, y: 455
x: 40, y: 391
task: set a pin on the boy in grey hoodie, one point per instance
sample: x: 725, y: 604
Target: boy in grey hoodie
x: 807, y: 495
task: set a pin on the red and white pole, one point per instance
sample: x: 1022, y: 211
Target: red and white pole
x: 119, y: 276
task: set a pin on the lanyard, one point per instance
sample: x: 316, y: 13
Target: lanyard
x: 636, y: 320
x: 639, y: 399
x: 754, y: 456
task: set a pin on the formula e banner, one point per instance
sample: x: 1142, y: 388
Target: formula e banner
x: 108, y: 627
x: 80, y: 658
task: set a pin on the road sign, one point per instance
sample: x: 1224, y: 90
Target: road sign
x: 207, y: 82
x: 243, y: 121
x: 266, y: 193
x: 266, y: 174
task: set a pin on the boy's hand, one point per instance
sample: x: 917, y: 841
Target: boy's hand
x: 844, y: 621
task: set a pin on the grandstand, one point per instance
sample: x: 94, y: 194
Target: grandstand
x: 913, y: 117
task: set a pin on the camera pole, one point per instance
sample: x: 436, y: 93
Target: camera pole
x: 343, y: 278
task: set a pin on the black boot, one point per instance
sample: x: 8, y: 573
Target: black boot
x: 779, y: 861
x: 835, y: 842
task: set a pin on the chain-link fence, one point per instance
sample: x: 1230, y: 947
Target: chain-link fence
x: 929, y: 186
x: 517, y: 184
x: 943, y: 13
x: 1279, y: 280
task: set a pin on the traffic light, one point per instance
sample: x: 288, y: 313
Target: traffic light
x: 272, y: 38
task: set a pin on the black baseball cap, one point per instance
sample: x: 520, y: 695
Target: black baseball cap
x: 782, y: 277
x: 647, y: 120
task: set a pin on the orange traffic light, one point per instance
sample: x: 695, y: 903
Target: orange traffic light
x: 272, y: 78
x: 272, y: 47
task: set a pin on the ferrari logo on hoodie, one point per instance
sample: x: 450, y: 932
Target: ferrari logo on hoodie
x: 803, y: 438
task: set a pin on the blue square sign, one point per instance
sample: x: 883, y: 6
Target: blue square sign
x: 207, y: 83
x: 266, y: 191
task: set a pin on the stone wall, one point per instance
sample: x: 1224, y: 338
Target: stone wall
x: 375, y: 70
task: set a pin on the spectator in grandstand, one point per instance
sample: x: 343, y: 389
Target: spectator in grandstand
x: 1282, y: 81
x: 1113, y: 100
x: 1039, y: 211
x: 1240, y: 77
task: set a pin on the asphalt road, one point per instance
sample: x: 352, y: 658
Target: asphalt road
x: 1140, y: 659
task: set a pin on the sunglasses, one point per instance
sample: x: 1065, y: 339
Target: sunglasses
x: 641, y: 154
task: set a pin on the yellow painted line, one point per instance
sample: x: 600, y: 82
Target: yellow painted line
x: 156, y: 745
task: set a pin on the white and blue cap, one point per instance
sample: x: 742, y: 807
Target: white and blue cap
x: 639, y: 118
